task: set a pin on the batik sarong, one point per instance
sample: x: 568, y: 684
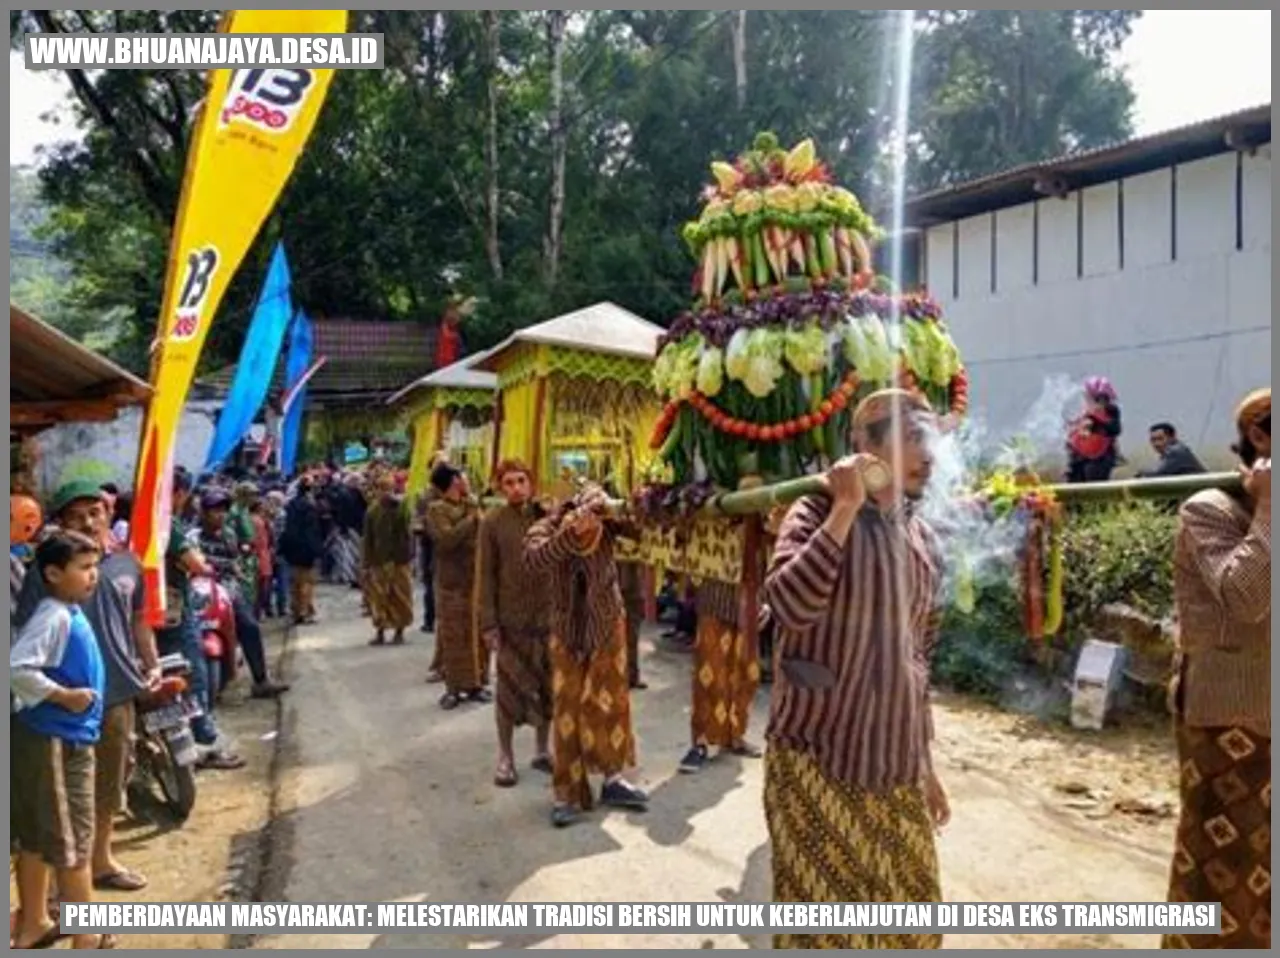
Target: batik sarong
x: 1222, y: 851
x: 726, y: 673
x: 389, y: 589
x: 591, y: 720
x: 524, y: 677
x: 835, y: 842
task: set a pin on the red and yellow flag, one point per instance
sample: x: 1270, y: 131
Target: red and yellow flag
x: 249, y: 134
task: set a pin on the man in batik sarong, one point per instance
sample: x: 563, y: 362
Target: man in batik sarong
x: 453, y: 522
x: 726, y: 674
x: 515, y: 616
x: 1221, y: 696
x: 850, y: 797
x: 386, y: 559
x: 591, y: 703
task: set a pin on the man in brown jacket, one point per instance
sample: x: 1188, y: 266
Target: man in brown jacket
x: 515, y: 619
x: 1221, y: 696
x: 453, y: 522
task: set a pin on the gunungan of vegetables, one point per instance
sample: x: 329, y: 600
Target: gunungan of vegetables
x: 775, y: 215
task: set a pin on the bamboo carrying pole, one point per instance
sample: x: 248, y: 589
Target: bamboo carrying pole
x: 765, y: 498
x: 1165, y: 487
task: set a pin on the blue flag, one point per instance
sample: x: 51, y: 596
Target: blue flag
x: 257, y: 362
x: 296, y: 365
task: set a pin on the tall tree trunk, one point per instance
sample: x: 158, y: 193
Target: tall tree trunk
x: 740, y: 57
x: 555, y: 220
x: 490, y: 20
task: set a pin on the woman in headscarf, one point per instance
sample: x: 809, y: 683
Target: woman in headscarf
x: 1092, y: 448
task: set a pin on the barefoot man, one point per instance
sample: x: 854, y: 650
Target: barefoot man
x: 1222, y: 695
x: 850, y: 795
x: 514, y: 621
x: 591, y: 700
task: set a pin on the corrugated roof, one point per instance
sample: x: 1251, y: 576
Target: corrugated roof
x: 461, y: 375
x: 364, y: 359
x: 52, y: 378
x: 603, y: 328
x: 1104, y: 164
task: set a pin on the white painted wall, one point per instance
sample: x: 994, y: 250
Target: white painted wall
x: 108, y: 452
x: 1182, y: 339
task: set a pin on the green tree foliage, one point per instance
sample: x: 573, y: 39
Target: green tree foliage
x: 436, y: 174
x: 997, y: 88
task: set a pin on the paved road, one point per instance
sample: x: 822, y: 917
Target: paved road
x: 384, y: 797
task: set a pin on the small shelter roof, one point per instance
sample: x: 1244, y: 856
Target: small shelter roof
x: 53, y: 379
x: 365, y: 360
x: 461, y: 375
x: 603, y: 328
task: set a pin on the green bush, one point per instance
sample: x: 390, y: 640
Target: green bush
x: 1120, y: 553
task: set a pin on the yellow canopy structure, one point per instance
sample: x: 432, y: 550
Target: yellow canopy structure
x: 575, y: 397
x: 452, y: 410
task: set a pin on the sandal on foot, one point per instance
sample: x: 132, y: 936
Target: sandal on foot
x: 505, y: 776
x: 219, y: 761
x: 542, y: 764
x: 122, y: 880
x: 434, y: 676
x: 398, y: 639
x: 449, y: 700
x: 562, y: 816
x: 47, y: 940
x: 480, y: 695
x: 378, y: 640
x: 746, y: 749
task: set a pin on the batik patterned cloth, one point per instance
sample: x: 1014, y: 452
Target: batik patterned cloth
x: 726, y: 673
x: 591, y: 721
x: 836, y: 842
x: 1223, y: 847
x: 389, y: 589
x: 524, y: 677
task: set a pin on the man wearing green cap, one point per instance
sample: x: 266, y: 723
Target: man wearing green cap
x: 129, y: 655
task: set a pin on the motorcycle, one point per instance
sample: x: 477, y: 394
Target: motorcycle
x: 164, y: 748
x: 217, y: 623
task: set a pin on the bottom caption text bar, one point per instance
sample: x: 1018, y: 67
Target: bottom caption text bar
x: 381, y: 918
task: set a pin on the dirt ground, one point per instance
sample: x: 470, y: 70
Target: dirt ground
x: 385, y: 797
x: 380, y: 796
x: 214, y: 856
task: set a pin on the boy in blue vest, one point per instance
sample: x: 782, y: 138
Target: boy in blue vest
x: 58, y: 681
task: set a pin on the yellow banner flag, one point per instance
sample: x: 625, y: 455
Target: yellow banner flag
x: 251, y: 129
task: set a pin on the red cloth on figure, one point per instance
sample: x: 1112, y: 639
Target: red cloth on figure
x: 448, y: 344
x: 262, y: 546
x: 1089, y: 437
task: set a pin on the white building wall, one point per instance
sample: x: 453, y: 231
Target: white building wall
x: 1182, y: 337
x: 108, y: 451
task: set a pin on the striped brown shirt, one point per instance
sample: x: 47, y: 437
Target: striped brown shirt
x: 867, y: 612
x: 1222, y: 590
x: 586, y: 599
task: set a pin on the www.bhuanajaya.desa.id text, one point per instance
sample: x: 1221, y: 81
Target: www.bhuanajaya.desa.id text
x: 107, y: 51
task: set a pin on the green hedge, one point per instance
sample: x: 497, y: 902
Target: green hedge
x: 1111, y: 554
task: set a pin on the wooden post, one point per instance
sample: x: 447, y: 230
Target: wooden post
x: 539, y: 418
x: 749, y: 594
x: 496, y: 453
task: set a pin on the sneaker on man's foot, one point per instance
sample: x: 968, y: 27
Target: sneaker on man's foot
x: 695, y: 760
x: 622, y: 794
x: 562, y: 816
